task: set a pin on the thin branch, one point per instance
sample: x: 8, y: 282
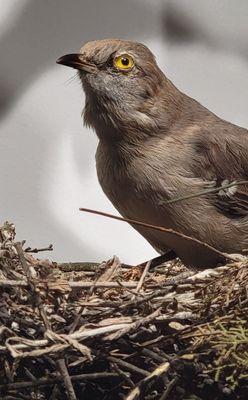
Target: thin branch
x: 169, y: 388
x: 136, y: 392
x: 36, y: 250
x: 188, y: 279
x: 59, y: 379
x: 222, y: 256
x: 70, y: 284
x: 151, y: 354
x: 142, y: 278
x: 101, y: 278
x: 129, y: 367
x: 204, y: 192
x: 67, y: 379
x: 78, y: 335
x: 132, y: 327
x: 124, y: 375
x: 32, y: 285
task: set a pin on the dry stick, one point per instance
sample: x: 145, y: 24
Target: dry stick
x: 169, y: 388
x: 88, y: 285
x: 136, y: 392
x: 78, y: 335
x: 32, y: 284
x: 128, y: 366
x: 103, y: 304
x: 160, y: 229
x: 67, y: 379
x: 134, y: 325
x: 82, y: 308
x: 52, y: 381
x: 142, y: 278
x: 106, y: 274
x: 110, y: 271
x: 133, y: 292
x: 61, y: 362
x: 72, y: 285
x: 35, y: 250
x: 152, y: 355
x: 124, y: 375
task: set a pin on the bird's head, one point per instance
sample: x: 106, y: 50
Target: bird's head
x: 121, y: 80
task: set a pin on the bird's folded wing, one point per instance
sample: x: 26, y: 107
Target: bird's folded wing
x: 233, y: 205
x: 224, y: 160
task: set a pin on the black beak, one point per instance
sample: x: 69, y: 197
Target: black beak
x: 76, y: 61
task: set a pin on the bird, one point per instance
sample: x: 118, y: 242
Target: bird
x: 162, y: 157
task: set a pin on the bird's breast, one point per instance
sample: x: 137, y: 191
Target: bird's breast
x: 134, y: 187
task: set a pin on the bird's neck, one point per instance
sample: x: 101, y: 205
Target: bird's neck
x: 120, y: 125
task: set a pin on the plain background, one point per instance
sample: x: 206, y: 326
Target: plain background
x: 47, y: 166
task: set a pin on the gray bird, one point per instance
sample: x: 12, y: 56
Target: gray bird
x: 157, y: 144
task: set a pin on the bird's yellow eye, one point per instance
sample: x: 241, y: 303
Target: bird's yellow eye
x: 124, y: 62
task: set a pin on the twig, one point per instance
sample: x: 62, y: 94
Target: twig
x: 153, y: 355
x: 111, y: 270
x: 142, y: 278
x: 87, y: 285
x: 71, y: 284
x: 137, y: 391
x: 124, y: 375
x: 129, y: 367
x: 221, y: 256
x: 35, y: 250
x: 205, y: 191
x: 169, y: 388
x: 134, y: 326
x: 132, y: 291
x: 32, y: 284
x: 67, y: 379
x: 59, y: 379
x: 82, y: 308
x: 106, y: 275
x: 78, y: 335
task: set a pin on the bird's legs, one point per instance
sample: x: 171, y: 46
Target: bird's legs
x: 155, y: 262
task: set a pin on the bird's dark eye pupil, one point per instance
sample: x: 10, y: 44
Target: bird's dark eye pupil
x: 125, y: 61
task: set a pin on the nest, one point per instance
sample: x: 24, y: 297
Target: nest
x: 112, y: 331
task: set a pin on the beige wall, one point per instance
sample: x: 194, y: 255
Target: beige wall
x: 47, y: 156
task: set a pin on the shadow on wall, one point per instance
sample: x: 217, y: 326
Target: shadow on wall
x: 179, y: 27
x: 46, y: 30
x: 190, y: 21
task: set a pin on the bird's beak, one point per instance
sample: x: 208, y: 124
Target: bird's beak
x: 77, y: 61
